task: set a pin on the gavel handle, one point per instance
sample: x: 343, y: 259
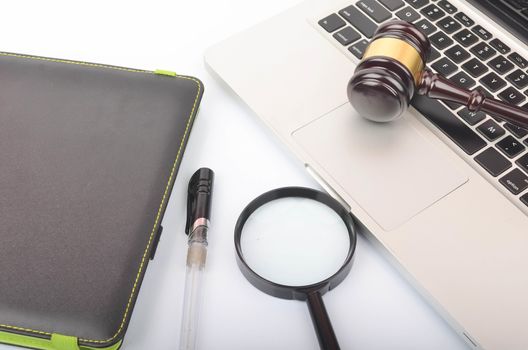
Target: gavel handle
x: 436, y: 86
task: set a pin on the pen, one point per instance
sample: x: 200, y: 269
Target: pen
x: 199, y: 198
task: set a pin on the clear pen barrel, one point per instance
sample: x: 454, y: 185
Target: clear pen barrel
x: 196, y: 256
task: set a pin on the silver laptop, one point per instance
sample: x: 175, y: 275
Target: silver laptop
x: 443, y: 192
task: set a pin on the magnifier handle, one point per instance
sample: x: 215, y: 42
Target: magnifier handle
x: 321, y: 322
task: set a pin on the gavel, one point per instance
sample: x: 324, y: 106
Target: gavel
x: 393, y: 69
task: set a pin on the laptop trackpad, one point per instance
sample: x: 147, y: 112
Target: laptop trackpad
x: 390, y: 170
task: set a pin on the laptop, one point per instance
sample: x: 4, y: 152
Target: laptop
x: 443, y: 192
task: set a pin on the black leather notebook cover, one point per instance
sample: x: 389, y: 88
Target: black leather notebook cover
x: 88, y: 157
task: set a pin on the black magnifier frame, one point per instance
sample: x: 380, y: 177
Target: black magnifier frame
x: 311, y: 293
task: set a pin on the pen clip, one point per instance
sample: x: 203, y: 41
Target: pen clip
x: 191, y: 203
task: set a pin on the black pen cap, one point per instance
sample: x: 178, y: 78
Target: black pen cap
x: 199, y: 197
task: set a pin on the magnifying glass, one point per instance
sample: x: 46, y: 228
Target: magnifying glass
x: 297, y: 243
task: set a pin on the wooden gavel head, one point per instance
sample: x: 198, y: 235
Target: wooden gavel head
x: 387, y: 77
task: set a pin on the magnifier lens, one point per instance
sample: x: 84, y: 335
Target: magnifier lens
x: 295, y: 241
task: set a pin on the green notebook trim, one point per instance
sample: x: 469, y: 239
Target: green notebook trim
x: 57, y: 342
x: 52, y: 343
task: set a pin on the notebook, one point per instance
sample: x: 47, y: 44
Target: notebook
x: 88, y: 158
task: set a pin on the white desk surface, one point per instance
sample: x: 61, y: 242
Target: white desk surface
x: 374, y: 308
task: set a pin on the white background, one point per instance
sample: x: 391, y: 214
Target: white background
x: 374, y: 308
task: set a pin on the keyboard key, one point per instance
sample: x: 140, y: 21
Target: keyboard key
x: 359, y: 21
x: 493, y: 82
x: 417, y: 3
x: 465, y: 37
x: 408, y: 14
x: 524, y: 199
x: 491, y: 130
x: 445, y: 67
x: 347, y: 36
x: 457, y: 54
x: 510, y: 146
x: 447, y: 7
x: 358, y: 49
x: 426, y: 27
x: 516, y: 130
x: 449, y: 124
x: 518, y: 60
x: 440, y: 40
x: 433, y: 55
x: 483, y: 51
x: 518, y: 78
x: 332, y: 23
x: 515, y: 181
x: 464, y: 19
x: 512, y: 96
x: 481, y: 32
x: 500, y: 46
x: 392, y: 5
x: 523, y: 162
x: 494, y: 162
x: 472, y: 118
x: 432, y: 12
x: 463, y: 80
x: 449, y: 25
x: 374, y: 10
x: 500, y: 64
x: 475, y: 67
x: 452, y: 105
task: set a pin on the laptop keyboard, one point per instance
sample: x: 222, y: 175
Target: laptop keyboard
x: 469, y: 55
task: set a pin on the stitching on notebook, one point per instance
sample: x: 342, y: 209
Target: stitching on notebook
x: 163, y: 199
x: 79, y: 63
